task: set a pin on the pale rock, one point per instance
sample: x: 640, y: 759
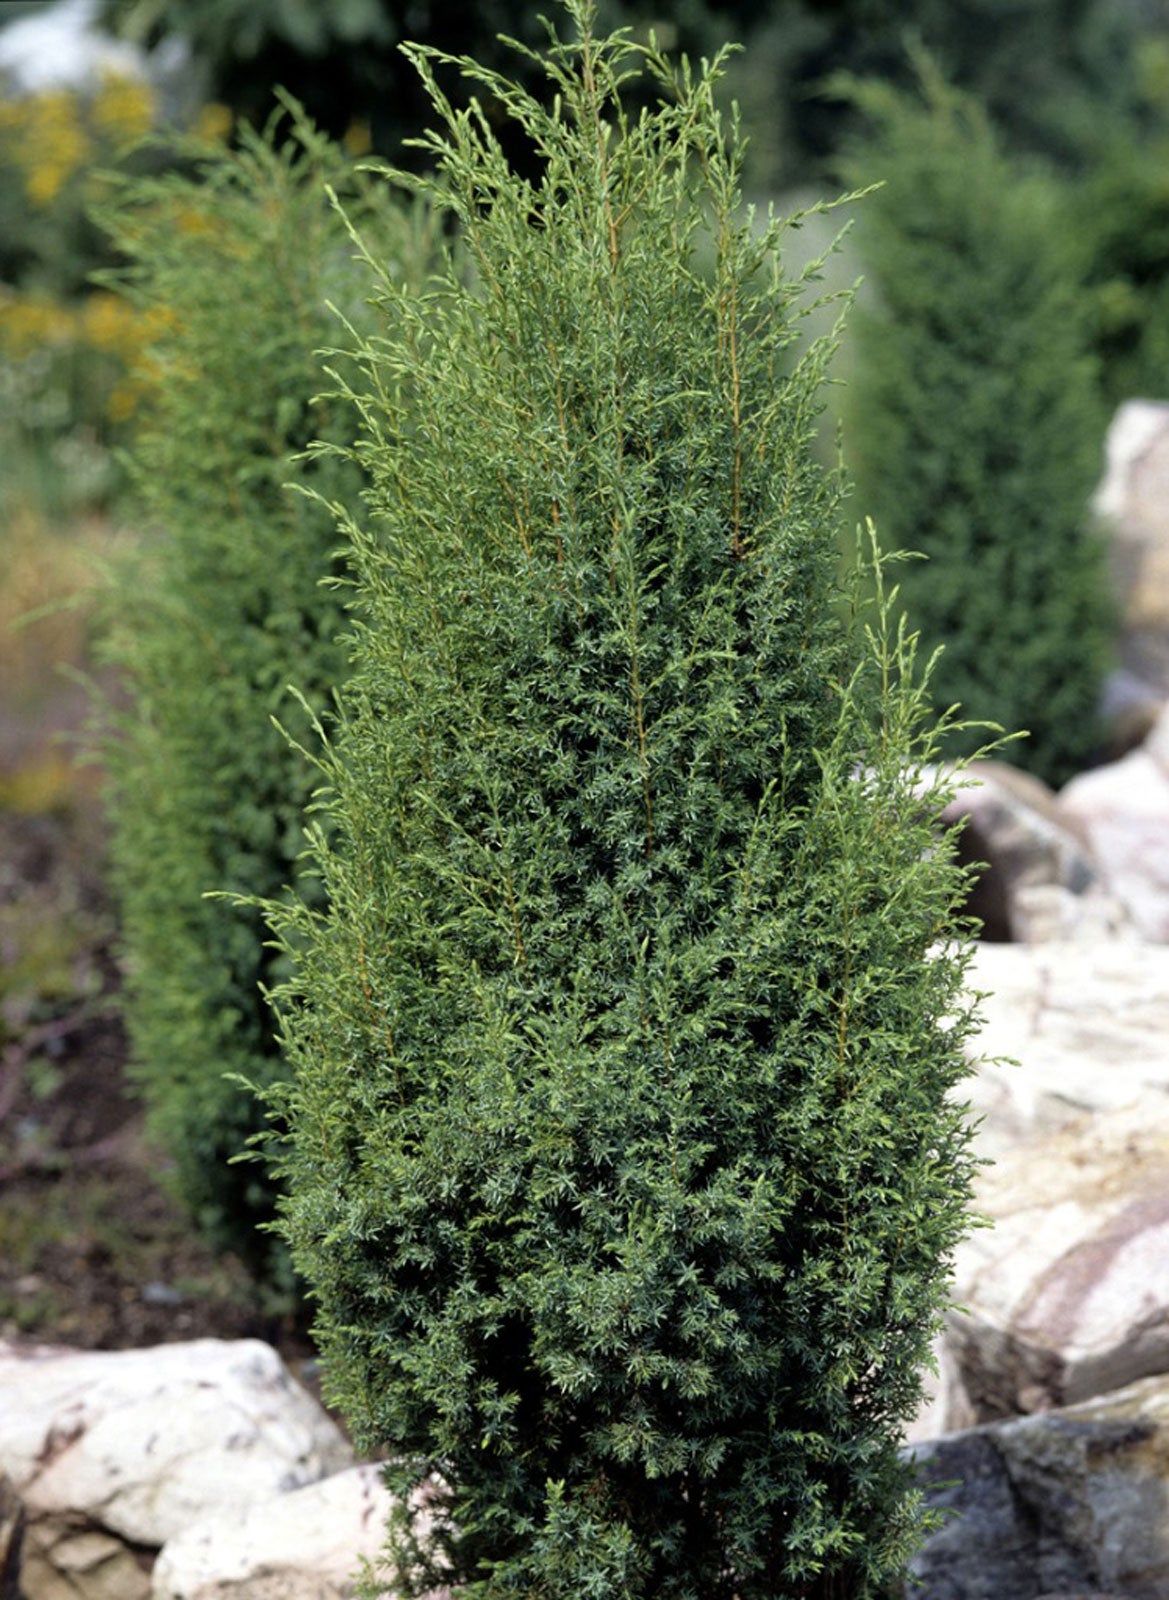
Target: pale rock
x: 1067, y: 1029
x: 306, y: 1545
x: 1039, y: 882
x: 1133, y: 501
x: 1066, y: 1294
x: 1069, y: 1505
x: 1122, y: 812
x: 115, y: 1452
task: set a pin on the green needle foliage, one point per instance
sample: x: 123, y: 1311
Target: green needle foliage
x: 621, y: 1155
x: 222, y: 606
x: 976, y: 427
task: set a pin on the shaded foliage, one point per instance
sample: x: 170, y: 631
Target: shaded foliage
x: 222, y: 607
x: 975, y: 421
x: 1048, y: 69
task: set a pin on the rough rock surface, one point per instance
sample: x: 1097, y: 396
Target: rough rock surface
x: 70, y: 1558
x: 1066, y: 1295
x: 113, y: 1453
x: 1122, y: 812
x: 301, y: 1546
x: 1079, y: 1027
x: 1133, y: 501
x: 1039, y: 882
x: 1129, y: 711
x: 1071, y: 1503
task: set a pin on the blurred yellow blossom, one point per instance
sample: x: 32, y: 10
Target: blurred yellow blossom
x: 123, y: 107
x: 124, y: 400
x: 52, y: 143
x: 213, y: 123
x: 358, y: 140
x: 110, y: 323
x: 31, y: 322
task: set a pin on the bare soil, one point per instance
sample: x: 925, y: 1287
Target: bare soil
x: 95, y: 1251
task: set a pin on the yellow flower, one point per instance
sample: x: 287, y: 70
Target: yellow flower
x: 30, y: 322
x: 123, y: 107
x: 51, y: 143
x: 123, y: 401
x: 357, y: 139
x: 213, y: 123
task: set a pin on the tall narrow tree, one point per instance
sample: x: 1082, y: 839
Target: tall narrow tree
x: 622, y: 1156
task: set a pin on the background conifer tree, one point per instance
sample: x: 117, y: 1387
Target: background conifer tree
x: 221, y: 606
x: 621, y: 1152
x: 975, y: 423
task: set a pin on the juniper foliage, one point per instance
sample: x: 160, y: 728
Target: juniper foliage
x: 234, y: 256
x: 975, y: 422
x: 622, y: 1157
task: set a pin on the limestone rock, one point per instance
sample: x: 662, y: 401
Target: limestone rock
x: 1070, y: 1505
x: 306, y: 1545
x: 1122, y: 811
x: 1039, y: 882
x: 1066, y: 1295
x: 1133, y: 501
x: 1086, y: 1024
x: 113, y: 1453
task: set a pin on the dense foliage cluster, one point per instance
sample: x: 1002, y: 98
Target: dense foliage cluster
x: 975, y: 424
x: 223, y: 607
x: 621, y: 1153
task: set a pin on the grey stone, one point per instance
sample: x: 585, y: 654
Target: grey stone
x: 1068, y: 1503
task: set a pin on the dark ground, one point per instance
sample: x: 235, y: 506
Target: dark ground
x: 94, y: 1250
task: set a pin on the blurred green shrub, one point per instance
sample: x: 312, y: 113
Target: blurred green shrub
x: 622, y: 1161
x: 222, y: 608
x: 1051, y: 71
x: 1118, y: 222
x: 974, y: 424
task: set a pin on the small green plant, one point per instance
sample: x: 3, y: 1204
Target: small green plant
x: 620, y: 1149
x: 975, y: 425
x: 223, y: 605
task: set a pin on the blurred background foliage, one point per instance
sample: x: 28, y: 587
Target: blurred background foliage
x: 1048, y: 70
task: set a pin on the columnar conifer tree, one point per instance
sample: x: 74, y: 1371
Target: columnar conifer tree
x: 235, y: 256
x: 621, y: 1151
x: 975, y: 423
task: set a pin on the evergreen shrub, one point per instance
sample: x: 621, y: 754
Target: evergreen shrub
x: 234, y: 256
x: 620, y: 1151
x: 1119, y: 222
x: 975, y: 424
